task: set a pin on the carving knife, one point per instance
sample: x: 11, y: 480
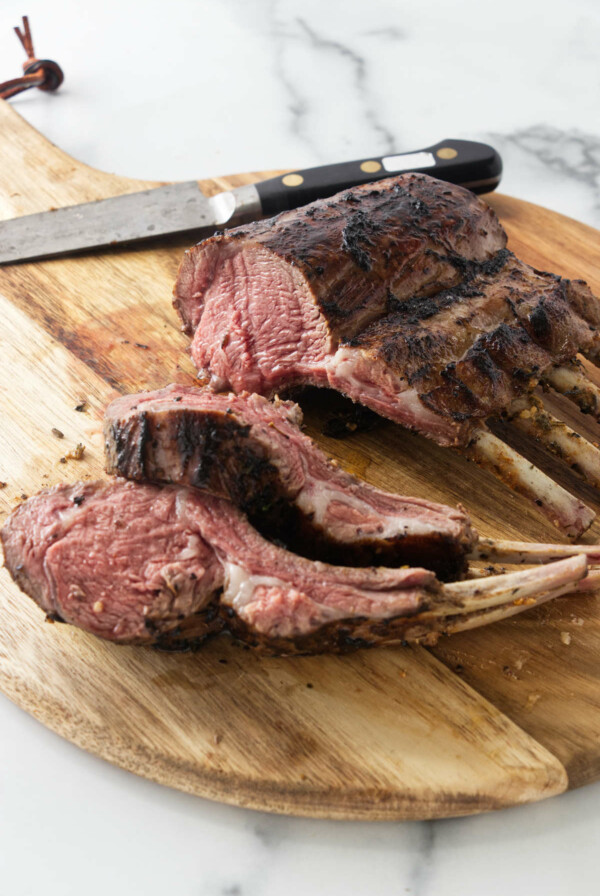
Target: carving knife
x: 182, y: 208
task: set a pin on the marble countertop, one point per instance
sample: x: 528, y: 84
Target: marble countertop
x: 196, y: 88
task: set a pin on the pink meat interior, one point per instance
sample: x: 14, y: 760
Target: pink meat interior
x: 259, y: 323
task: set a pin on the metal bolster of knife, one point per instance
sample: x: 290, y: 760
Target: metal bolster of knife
x: 237, y: 206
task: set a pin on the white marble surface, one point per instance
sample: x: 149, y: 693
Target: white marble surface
x: 252, y: 84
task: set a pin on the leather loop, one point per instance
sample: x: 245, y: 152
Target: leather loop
x: 53, y: 74
x: 42, y: 73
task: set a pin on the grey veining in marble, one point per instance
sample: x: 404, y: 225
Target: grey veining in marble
x: 353, y: 71
x: 570, y: 158
x: 283, y: 83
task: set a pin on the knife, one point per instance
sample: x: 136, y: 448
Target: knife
x: 182, y: 208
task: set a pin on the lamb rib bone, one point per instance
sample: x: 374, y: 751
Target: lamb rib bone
x: 485, y: 617
x: 562, y: 508
x: 504, y: 551
x: 530, y: 416
x: 572, y: 381
x: 479, y: 594
x: 474, y: 611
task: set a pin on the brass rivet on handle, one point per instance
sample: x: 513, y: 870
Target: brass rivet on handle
x: 292, y: 180
x: 370, y: 167
x: 446, y: 152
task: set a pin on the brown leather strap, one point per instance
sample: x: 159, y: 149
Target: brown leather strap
x: 42, y: 73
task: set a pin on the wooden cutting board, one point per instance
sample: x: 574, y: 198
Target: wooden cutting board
x: 491, y: 718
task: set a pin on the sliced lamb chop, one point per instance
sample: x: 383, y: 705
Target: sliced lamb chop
x: 121, y: 562
x: 400, y: 294
x: 253, y: 452
x: 144, y: 564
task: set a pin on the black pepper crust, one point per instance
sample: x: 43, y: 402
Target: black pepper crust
x: 338, y: 637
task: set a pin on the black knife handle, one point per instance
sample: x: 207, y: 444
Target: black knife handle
x: 473, y: 165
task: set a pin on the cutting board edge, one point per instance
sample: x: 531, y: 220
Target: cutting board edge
x: 26, y: 135
x: 353, y: 805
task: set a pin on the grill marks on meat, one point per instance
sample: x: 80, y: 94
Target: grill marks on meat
x: 402, y: 295
x: 269, y: 303
x: 143, y: 564
x: 252, y: 451
x: 470, y: 350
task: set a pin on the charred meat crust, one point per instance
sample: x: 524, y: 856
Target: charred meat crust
x: 469, y: 350
x: 192, y: 632
x: 222, y: 445
x: 353, y: 247
x: 127, y: 443
x: 340, y: 637
x: 401, y: 295
x: 213, y: 452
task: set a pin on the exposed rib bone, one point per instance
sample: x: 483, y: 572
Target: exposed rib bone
x: 479, y: 594
x: 524, y: 552
x: 531, y: 417
x: 486, y: 617
x: 477, y: 609
x: 571, y: 380
x: 563, y: 509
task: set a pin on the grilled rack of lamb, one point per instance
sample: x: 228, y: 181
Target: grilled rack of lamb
x: 403, y: 296
x: 169, y: 565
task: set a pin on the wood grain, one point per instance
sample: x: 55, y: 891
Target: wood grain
x: 488, y: 719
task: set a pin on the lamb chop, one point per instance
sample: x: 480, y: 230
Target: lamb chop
x: 403, y: 296
x: 137, y: 563
x: 251, y: 451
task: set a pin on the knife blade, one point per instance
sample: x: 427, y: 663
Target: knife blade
x: 182, y: 208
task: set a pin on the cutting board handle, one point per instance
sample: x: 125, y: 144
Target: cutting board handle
x: 38, y: 161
